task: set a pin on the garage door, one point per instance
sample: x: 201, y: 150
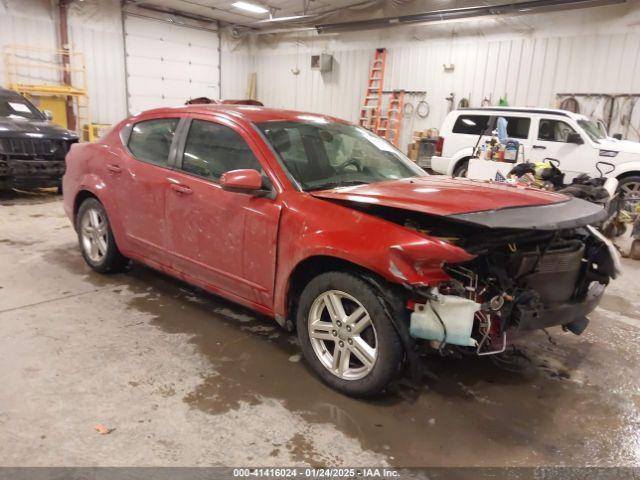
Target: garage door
x: 168, y: 64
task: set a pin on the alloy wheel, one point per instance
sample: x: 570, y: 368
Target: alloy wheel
x: 631, y: 195
x: 94, y: 231
x: 342, y: 335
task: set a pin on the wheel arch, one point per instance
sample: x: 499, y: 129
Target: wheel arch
x: 315, y: 265
x: 459, y: 162
x: 81, y: 196
x: 630, y: 173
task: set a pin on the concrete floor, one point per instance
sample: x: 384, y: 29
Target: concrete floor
x: 186, y: 378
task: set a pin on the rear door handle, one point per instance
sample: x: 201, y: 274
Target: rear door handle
x: 539, y: 147
x: 114, y: 168
x: 181, y: 189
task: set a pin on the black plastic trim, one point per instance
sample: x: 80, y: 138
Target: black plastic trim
x: 572, y: 213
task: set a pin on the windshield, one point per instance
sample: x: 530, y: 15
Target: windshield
x: 323, y: 154
x: 593, y: 130
x: 17, y: 107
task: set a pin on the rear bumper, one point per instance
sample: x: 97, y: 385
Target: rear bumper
x: 30, y: 173
x: 441, y: 164
x: 560, y: 314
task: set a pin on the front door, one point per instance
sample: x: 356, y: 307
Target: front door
x: 551, y: 141
x: 226, y: 240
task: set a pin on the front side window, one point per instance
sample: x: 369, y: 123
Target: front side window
x: 593, y: 129
x: 554, y: 130
x: 324, y: 154
x: 212, y: 149
x: 150, y: 140
x: 471, y: 124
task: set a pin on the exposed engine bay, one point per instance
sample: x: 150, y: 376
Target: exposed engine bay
x: 521, y: 278
x: 528, y: 285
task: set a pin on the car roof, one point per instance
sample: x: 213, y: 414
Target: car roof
x: 249, y: 113
x: 546, y: 111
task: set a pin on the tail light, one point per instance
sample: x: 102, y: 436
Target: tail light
x: 439, y: 146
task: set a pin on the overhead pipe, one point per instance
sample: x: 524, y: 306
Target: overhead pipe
x: 528, y: 7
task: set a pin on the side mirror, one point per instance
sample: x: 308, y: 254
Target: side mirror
x: 618, y: 136
x: 575, y: 137
x: 243, y: 181
x: 48, y: 115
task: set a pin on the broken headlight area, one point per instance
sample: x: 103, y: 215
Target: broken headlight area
x: 533, y: 282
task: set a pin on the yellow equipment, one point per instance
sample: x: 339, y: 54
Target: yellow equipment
x: 38, y: 73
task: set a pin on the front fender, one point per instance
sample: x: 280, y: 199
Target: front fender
x: 397, y: 254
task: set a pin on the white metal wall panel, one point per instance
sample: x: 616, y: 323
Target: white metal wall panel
x: 94, y: 29
x: 29, y: 23
x: 169, y: 64
x: 236, y: 64
x: 530, y: 70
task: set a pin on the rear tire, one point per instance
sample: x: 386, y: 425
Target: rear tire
x: 346, y: 335
x: 461, y: 169
x: 95, y: 236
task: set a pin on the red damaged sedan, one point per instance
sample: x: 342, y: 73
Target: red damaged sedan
x: 333, y: 232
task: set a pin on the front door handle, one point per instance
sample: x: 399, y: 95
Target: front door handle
x: 113, y: 168
x: 539, y: 147
x: 181, y: 189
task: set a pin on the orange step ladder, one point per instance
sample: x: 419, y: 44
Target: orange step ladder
x: 372, y: 105
x: 389, y: 125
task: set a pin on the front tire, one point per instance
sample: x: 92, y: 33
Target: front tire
x: 346, y: 335
x: 630, y: 187
x: 96, y: 239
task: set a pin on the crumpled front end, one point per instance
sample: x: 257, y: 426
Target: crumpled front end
x: 31, y: 162
x: 519, y: 280
x: 477, y: 276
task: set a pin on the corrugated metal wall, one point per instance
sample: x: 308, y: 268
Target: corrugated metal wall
x: 94, y: 28
x: 528, y: 70
x: 595, y: 50
x: 236, y: 63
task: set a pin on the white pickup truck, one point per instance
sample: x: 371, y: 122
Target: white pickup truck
x: 576, y: 142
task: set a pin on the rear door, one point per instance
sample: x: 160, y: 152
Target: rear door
x: 519, y: 128
x: 140, y: 181
x: 226, y: 240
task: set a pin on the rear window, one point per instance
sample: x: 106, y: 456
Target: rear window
x: 518, y: 127
x: 471, y: 124
x: 151, y: 140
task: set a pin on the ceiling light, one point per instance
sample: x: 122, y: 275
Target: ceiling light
x: 250, y: 7
x: 284, y: 19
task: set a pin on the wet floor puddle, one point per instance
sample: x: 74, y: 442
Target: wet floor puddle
x: 468, y: 411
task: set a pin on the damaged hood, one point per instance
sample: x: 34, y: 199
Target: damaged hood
x: 481, y: 203
x: 441, y: 195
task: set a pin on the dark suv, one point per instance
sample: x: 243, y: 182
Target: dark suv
x: 32, y: 149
